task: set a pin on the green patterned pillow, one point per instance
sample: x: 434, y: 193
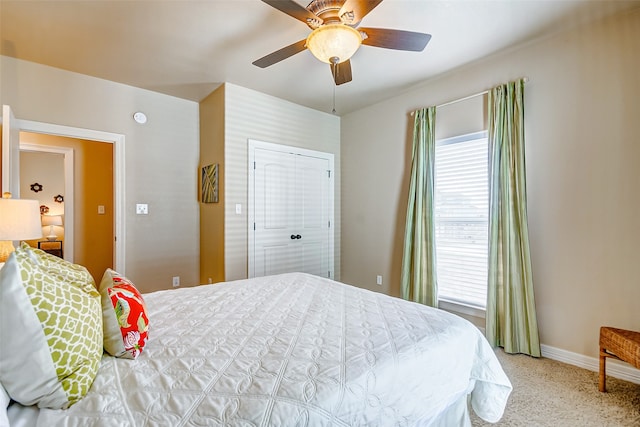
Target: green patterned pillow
x: 61, y: 269
x: 50, y: 330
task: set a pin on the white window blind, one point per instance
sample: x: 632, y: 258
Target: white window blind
x: 461, y: 218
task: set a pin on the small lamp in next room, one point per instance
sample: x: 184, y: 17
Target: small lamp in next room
x: 19, y: 220
x: 51, y: 220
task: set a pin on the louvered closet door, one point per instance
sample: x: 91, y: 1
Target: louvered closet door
x: 291, y: 214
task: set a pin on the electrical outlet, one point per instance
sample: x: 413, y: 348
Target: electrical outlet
x: 378, y: 280
x: 176, y: 281
x: 142, y: 209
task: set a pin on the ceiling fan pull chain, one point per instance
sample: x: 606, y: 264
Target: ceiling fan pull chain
x: 334, y: 99
x: 334, y: 66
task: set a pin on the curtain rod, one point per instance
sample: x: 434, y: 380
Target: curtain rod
x: 484, y: 92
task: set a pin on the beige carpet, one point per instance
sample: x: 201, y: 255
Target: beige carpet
x: 549, y: 393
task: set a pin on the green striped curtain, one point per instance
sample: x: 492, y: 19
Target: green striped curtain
x: 418, y: 280
x: 511, y: 314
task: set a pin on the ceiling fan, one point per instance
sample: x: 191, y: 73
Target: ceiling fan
x: 336, y: 36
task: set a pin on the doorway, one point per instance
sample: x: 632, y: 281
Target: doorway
x: 85, y: 192
x: 118, y: 140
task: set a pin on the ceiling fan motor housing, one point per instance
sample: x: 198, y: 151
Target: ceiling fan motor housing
x: 328, y: 12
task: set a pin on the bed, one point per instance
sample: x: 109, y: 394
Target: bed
x: 291, y: 350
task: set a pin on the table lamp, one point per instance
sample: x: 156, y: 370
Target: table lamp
x: 19, y: 220
x: 51, y: 220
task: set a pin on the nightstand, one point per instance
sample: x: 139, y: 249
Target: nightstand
x: 53, y: 247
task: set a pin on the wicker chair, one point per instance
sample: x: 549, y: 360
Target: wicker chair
x: 619, y: 344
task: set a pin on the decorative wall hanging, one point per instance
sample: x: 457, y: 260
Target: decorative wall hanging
x: 209, y: 184
x: 35, y: 187
x: 58, y: 199
x: 44, y: 209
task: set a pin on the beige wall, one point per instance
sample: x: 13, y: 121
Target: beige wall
x: 253, y: 115
x: 161, y: 159
x: 583, y: 174
x: 46, y: 169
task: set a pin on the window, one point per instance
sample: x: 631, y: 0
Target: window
x: 461, y: 219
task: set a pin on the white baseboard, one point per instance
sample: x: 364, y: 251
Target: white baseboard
x: 614, y: 368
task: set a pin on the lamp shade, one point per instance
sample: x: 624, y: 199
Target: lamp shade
x: 334, y: 41
x: 51, y: 220
x: 20, y: 219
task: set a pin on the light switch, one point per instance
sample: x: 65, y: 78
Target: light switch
x: 100, y: 210
x: 142, y: 209
x: 238, y: 208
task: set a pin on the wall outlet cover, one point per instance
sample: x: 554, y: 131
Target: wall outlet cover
x: 142, y: 209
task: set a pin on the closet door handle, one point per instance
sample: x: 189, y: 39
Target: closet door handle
x: 296, y: 236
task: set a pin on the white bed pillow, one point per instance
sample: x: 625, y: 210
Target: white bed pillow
x: 4, y: 404
x: 50, y: 330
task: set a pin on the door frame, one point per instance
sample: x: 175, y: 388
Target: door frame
x: 254, y: 144
x: 10, y: 152
x: 118, y: 141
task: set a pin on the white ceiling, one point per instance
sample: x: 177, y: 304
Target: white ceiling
x: 186, y: 48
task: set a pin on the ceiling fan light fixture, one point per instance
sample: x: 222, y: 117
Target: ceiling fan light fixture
x: 334, y: 41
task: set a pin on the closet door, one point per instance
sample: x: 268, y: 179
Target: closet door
x: 275, y: 214
x: 312, y: 211
x: 290, y: 212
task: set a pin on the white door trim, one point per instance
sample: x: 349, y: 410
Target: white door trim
x: 68, y: 190
x: 252, y: 146
x: 10, y: 153
x: 118, y: 174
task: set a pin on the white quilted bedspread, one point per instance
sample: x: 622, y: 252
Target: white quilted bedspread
x: 292, y: 350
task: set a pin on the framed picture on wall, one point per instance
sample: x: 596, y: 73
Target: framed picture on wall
x: 209, y: 184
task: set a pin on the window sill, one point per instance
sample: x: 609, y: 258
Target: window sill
x: 457, y: 307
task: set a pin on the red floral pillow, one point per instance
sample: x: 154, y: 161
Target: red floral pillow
x: 124, y: 316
